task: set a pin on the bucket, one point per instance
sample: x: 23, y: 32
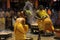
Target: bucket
x: 29, y: 38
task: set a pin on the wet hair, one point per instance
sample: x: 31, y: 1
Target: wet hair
x: 41, y: 7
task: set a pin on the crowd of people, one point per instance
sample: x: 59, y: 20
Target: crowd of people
x: 42, y: 18
x: 21, y: 20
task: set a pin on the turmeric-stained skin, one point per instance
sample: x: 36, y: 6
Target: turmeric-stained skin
x: 45, y: 24
x: 20, y: 31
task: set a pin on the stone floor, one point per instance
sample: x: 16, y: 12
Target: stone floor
x: 34, y: 36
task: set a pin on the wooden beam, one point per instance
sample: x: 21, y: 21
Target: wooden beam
x: 8, y: 3
x: 36, y: 3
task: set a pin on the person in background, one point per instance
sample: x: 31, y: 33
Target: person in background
x: 29, y: 5
x: 57, y: 22
x: 41, y: 12
x: 18, y: 14
x: 12, y: 12
x: 20, y: 29
x: 2, y: 20
x: 22, y: 14
x: 28, y: 15
x: 8, y: 19
x: 12, y: 19
x: 49, y: 12
x: 2, y: 14
x: 43, y: 21
x: 30, y: 8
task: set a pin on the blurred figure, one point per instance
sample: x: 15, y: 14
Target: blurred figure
x: 12, y: 13
x: 57, y: 23
x: 18, y: 14
x: 20, y: 29
x: 28, y: 15
x: 29, y: 8
x: 49, y: 28
x: 43, y: 21
x: 2, y: 20
x: 49, y: 12
x: 41, y: 12
x: 29, y: 5
x: 2, y: 13
x: 8, y: 19
x: 54, y: 16
x: 22, y: 14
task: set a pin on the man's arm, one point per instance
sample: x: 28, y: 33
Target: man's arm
x: 20, y: 28
x: 26, y: 28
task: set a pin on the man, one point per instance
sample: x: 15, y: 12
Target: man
x: 29, y: 8
x: 20, y: 29
x: 43, y: 21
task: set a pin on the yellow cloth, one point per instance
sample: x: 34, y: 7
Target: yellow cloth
x: 28, y: 13
x: 2, y: 20
x: 42, y: 13
x: 2, y: 23
x: 20, y: 32
x: 40, y: 25
x: 45, y: 25
x: 48, y: 24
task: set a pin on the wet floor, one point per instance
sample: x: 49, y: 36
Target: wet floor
x: 35, y: 37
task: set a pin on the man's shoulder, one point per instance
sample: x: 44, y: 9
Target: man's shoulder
x: 37, y: 11
x: 44, y: 10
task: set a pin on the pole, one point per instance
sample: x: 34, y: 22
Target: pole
x: 8, y: 4
x: 36, y: 4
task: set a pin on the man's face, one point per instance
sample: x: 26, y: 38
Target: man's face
x: 40, y: 8
x: 23, y: 22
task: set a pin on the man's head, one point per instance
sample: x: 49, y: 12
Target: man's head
x: 20, y: 20
x: 41, y: 7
